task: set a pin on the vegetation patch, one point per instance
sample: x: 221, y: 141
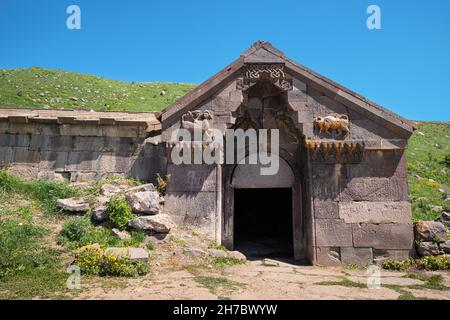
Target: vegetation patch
x: 120, y: 212
x: 441, y: 262
x: 218, y: 284
x: 92, y: 260
x: 345, y: 282
x: 226, y: 262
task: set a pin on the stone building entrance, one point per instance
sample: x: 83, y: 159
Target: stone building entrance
x: 263, y: 222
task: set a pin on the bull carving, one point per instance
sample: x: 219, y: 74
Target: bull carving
x: 340, y: 123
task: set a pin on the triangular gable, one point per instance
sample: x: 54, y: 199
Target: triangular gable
x: 263, y: 52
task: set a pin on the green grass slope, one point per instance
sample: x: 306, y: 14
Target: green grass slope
x: 39, y: 88
x: 428, y: 170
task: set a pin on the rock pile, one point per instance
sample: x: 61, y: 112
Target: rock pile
x: 431, y: 238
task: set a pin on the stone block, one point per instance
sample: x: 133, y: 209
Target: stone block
x: 6, y: 155
x: 333, y: 232
x: 360, y: 256
x: 383, y: 236
x: 24, y: 155
x: 375, y: 212
x: 83, y: 161
x: 326, y: 209
x: 328, y: 256
x: 374, y: 189
x: 380, y: 255
x: 192, y: 178
x: 53, y: 160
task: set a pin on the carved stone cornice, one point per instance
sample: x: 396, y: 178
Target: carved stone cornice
x: 270, y: 72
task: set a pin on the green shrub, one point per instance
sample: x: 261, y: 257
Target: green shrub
x: 75, y: 230
x: 161, y: 183
x: 428, y: 263
x: 398, y: 265
x: 447, y: 159
x: 92, y: 260
x: 150, y: 246
x: 119, y: 212
x: 434, y: 262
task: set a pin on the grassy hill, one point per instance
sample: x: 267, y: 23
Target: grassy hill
x: 428, y: 153
x: 41, y: 88
x: 429, y: 170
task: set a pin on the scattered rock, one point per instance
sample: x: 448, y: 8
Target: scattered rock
x: 444, y: 219
x: 421, y: 133
x: 430, y: 231
x: 437, y: 209
x: 142, y: 187
x: 442, y: 191
x: 123, y: 235
x: 270, y: 263
x: 100, y: 215
x: 134, y: 254
x: 195, y: 252
x: 417, y: 176
x: 73, y: 205
x: 144, y: 202
x: 160, y: 223
x: 428, y: 249
x: 162, y: 93
x: 445, y: 246
x: 216, y: 253
x: 110, y: 190
x: 236, y: 255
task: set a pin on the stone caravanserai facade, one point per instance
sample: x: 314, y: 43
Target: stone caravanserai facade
x: 340, y: 194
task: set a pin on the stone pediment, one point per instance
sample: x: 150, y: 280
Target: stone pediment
x: 262, y: 62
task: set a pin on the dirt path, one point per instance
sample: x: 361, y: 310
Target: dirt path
x: 258, y: 280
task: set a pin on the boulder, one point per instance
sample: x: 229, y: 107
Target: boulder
x: 236, y: 255
x: 444, y: 218
x: 100, y: 215
x: 142, y: 187
x: 195, y: 252
x: 428, y: 249
x: 160, y: 223
x: 144, y: 202
x: 73, y: 205
x: 445, y: 246
x: 430, y: 231
x: 216, y: 253
x: 122, y: 235
x: 110, y: 190
x: 133, y: 254
x: 437, y: 209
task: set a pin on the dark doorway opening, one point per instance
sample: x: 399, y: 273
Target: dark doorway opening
x: 263, y: 222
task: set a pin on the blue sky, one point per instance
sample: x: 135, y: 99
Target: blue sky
x: 405, y: 66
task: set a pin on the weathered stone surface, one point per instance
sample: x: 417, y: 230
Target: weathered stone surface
x: 133, y: 254
x: 328, y: 256
x: 375, y: 212
x: 144, y: 202
x: 326, y: 209
x: 333, y: 232
x: 383, y: 236
x: 123, y: 235
x: 142, y: 187
x: 444, y: 218
x: 428, y: 249
x: 161, y: 223
x: 445, y: 246
x: 381, y: 255
x: 195, y: 252
x: 236, y: 255
x: 374, y: 189
x: 73, y: 204
x: 216, y: 253
x: 430, y: 231
x: 360, y: 256
x: 192, y: 178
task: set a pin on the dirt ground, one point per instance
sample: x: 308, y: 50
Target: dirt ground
x: 176, y: 275
x: 259, y: 281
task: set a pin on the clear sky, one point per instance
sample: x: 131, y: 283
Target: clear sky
x: 405, y: 66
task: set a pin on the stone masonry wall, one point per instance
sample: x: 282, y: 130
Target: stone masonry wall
x: 79, y: 145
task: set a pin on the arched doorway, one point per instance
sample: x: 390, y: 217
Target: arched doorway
x: 262, y: 214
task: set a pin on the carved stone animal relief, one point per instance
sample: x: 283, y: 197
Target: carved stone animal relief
x: 197, y: 120
x: 340, y: 123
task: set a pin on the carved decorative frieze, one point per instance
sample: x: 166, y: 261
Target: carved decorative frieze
x: 256, y: 72
x: 339, y: 150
